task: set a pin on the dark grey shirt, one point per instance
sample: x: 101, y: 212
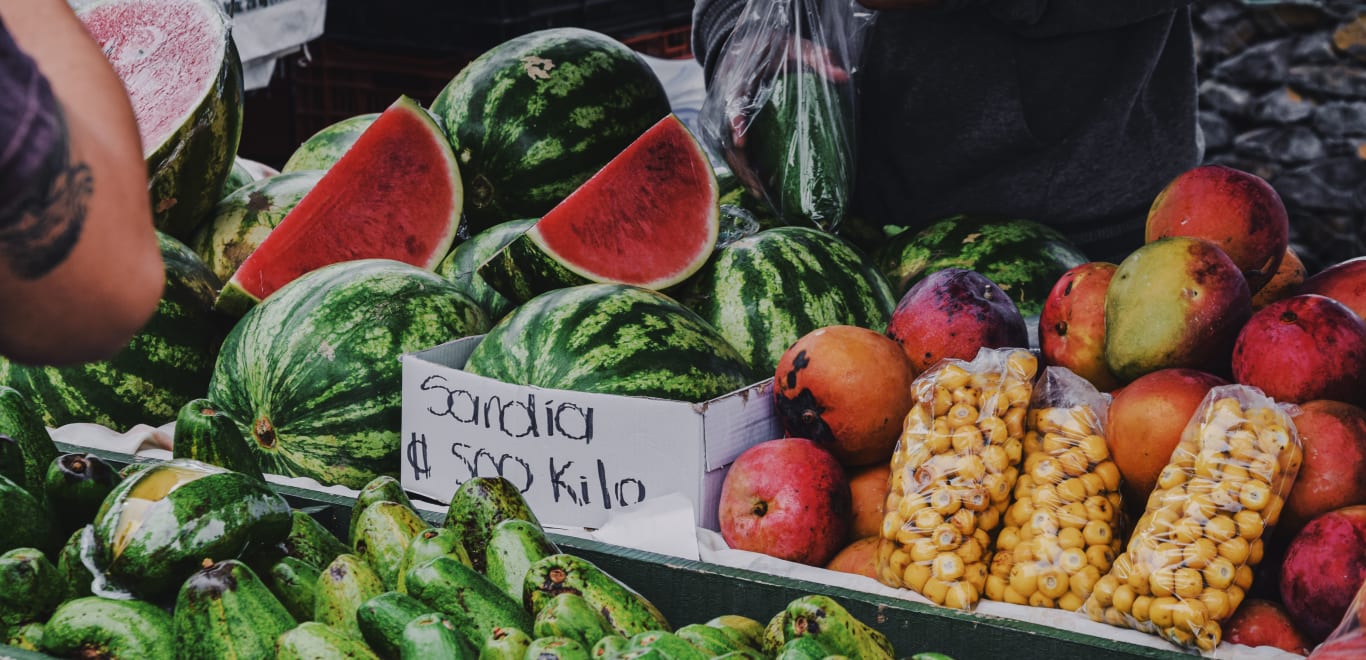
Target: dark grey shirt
x: 31, y: 131
x: 1074, y: 113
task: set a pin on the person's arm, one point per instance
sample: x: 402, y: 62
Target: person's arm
x: 1044, y: 18
x: 80, y: 270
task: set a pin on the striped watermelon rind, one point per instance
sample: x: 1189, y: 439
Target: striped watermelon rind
x: 187, y: 170
x: 461, y: 265
x: 325, y: 147
x: 238, y: 176
x: 245, y: 217
x: 164, y: 366
x: 534, y: 117
x: 1024, y: 258
x: 312, y: 374
x: 611, y: 339
x: 765, y: 291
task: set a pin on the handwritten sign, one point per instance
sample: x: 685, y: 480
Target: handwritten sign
x: 576, y: 456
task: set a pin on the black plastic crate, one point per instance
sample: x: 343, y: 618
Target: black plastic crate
x: 473, y: 26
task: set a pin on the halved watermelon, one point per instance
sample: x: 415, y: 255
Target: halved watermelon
x: 649, y: 218
x: 395, y: 194
x: 178, y: 62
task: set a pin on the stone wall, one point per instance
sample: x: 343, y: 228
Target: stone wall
x: 1283, y: 95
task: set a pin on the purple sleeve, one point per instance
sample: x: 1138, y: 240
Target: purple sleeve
x: 32, y: 130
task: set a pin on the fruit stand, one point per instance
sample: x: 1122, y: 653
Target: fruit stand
x: 515, y: 362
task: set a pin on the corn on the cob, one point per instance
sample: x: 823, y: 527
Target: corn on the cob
x: 1190, y: 559
x: 952, y: 474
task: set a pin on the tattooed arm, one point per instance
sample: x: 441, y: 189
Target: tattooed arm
x: 80, y: 271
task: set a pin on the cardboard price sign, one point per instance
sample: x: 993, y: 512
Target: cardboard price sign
x: 576, y: 456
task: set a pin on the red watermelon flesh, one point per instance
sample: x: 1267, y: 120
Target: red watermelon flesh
x: 648, y: 218
x: 162, y: 61
x: 395, y: 194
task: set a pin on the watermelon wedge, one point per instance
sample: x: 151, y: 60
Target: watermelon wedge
x: 180, y: 67
x: 649, y: 218
x: 395, y: 194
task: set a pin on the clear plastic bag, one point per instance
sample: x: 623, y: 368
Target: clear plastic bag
x: 952, y: 474
x: 1348, y: 640
x: 1190, y: 559
x: 780, y: 106
x: 1064, y: 526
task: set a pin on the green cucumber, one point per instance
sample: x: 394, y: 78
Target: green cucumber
x: 346, y: 583
x: 803, y: 648
x: 430, y: 636
x: 383, y: 488
x: 610, y: 646
x: 382, y: 536
x: 709, y: 640
x: 428, y: 545
x: 629, y: 612
x: 206, y: 434
x: 310, y: 541
x: 94, y: 627
x: 30, y: 589
x: 225, y: 611
x: 382, y: 619
x: 775, y: 635
x: 75, y: 486
x: 473, y: 603
x: 670, y: 645
x: 826, y: 620
x: 477, y: 506
x: 505, y: 644
x: 295, y: 583
x: 569, y: 615
x: 743, y: 629
x: 512, y: 548
x: 556, y: 648
x: 314, y: 641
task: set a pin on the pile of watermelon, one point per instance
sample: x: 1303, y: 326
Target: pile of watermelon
x: 547, y: 197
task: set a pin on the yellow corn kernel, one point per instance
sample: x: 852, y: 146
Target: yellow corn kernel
x: 935, y: 590
x: 947, y: 567
x: 1160, y: 611
x: 1070, y: 602
x: 1227, y: 406
x: 1098, y: 508
x: 1093, y: 447
x: 1037, y: 599
x: 1047, y: 471
x: 964, y: 521
x: 993, y: 430
x: 1104, y: 590
x: 1219, y: 573
x: 1054, y: 443
x: 1014, y: 597
x: 1233, y: 472
x: 1242, y: 444
x: 1013, y: 449
x: 941, y: 436
x: 1208, y: 464
x: 1272, y: 512
x: 1216, y: 603
x: 967, y: 439
x: 988, y: 519
x: 1097, y: 533
x: 1250, y: 524
x: 1073, y: 463
x: 996, y: 588
x: 1255, y: 495
x: 924, y: 550
x: 1220, y: 528
x: 1044, y: 522
x: 952, y: 376
x: 961, y: 595
x: 1124, y: 598
x: 1017, y: 394
x: 1255, y: 551
x: 945, y: 501
x: 972, y: 468
x: 995, y: 459
x: 1186, y: 530
x: 1291, y: 458
x: 1273, y: 438
x: 1072, y: 490
x: 907, y: 534
x: 981, y: 535
x: 1235, y: 550
x: 1109, y: 472
x: 1072, y: 560
x: 1179, y: 636
x: 1047, y: 549
x: 1100, y: 556
x: 1116, y: 500
x: 1024, y: 578
x: 1266, y: 468
x: 960, y: 415
x: 1209, y: 636
x: 1162, y: 581
x: 928, y: 519
x: 1073, y: 515
x: 997, y: 487
x: 1170, y: 477
x: 915, y: 575
x: 1122, y: 566
x: 1189, y: 615
x: 1188, y: 583
x: 1095, y: 485
x: 1084, y: 581
x: 946, y: 538
x: 1071, y: 537
x: 1140, y: 611
x: 970, y: 551
x: 1014, y: 419
x: 1242, y: 577
x: 976, y: 499
x: 1139, y: 574
x: 1022, y: 364
x: 1235, y: 597
x: 1199, y: 553
x: 1033, y: 442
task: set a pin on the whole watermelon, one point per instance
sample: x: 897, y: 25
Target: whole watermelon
x: 462, y: 264
x: 1022, y: 257
x: 534, y: 117
x: 765, y: 291
x: 612, y: 339
x: 326, y: 147
x: 311, y: 375
x: 244, y: 218
x: 164, y: 366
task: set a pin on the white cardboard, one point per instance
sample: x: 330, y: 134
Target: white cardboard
x: 578, y: 457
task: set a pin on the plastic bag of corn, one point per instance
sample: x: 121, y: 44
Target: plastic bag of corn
x: 952, y: 473
x: 1189, y: 561
x: 1063, y: 528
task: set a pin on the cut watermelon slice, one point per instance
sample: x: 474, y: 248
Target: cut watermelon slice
x: 395, y: 195
x: 648, y: 218
x: 178, y: 63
